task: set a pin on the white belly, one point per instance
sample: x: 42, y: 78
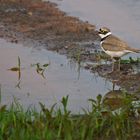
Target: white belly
x: 116, y: 53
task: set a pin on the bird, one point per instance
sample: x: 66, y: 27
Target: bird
x: 114, y: 46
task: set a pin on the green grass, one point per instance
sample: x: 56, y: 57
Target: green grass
x: 130, y: 61
x: 97, y: 123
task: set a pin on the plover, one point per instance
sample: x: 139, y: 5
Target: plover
x: 114, y: 46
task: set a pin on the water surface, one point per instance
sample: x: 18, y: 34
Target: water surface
x: 62, y: 78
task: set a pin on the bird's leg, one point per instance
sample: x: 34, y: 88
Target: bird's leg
x: 118, y: 60
x: 113, y: 64
x: 119, y: 65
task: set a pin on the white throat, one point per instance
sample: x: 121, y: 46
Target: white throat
x: 103, y: 36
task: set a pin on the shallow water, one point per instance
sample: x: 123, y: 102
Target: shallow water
x: 62, y: 78
x: 121, y: 16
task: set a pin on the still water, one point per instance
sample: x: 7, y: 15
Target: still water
x: 62, y: 78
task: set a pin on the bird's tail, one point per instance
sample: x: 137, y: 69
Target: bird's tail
x: 135, y: 50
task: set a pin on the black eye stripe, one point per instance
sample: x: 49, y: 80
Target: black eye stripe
x: 103, y: 31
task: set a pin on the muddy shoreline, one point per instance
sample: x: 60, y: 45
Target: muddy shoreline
x: 43, y: 24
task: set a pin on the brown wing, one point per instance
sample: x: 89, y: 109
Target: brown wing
x: 114, y: 43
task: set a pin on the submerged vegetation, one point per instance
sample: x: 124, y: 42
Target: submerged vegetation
x: 98, y: 122
x: 130, y: 61
x: 40, y: 69
x: 17, y: 68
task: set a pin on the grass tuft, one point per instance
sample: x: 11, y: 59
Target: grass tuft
x: 60, y: 124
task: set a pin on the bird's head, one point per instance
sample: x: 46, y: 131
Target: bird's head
x: 104, y: 32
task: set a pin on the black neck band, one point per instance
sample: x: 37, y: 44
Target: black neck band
x: 102, y: 39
